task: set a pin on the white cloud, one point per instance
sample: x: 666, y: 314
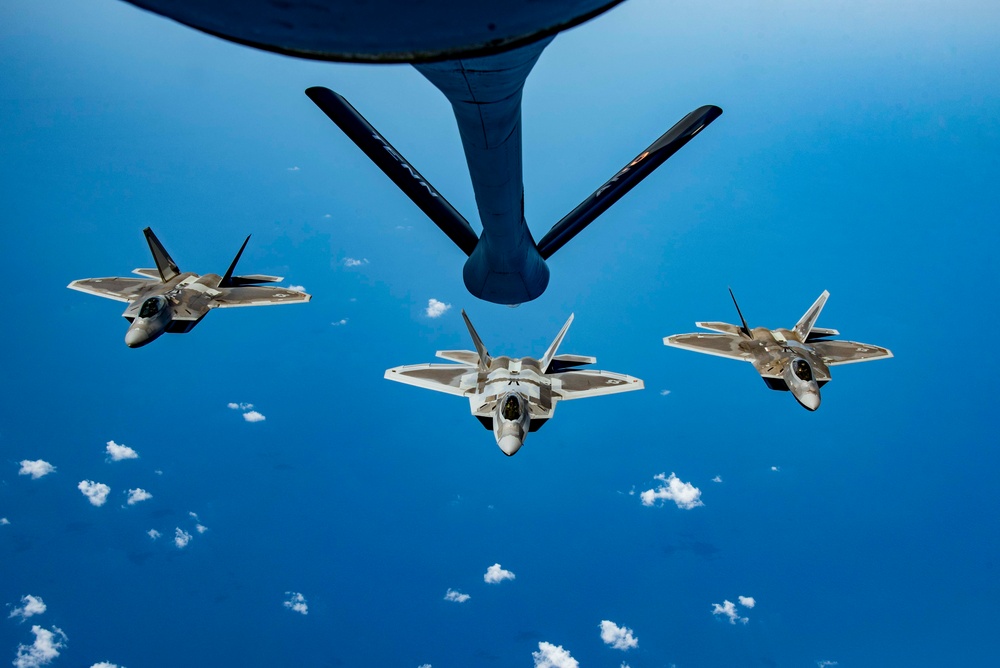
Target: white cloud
x: 240, y: 406
x: 728, y: 610
x: 41, y: 652
x: 4, y: 521
x: 339, y: 323
x: 495, y: 574
x: 425, y: 665
x: 619, y: 637
x: 254, y: 416
x: 106, y: 664
x: 181, y: 538
x: 193, y: 515
x: 717, y: 478
x: 120, y: 452
x: 153, y: 533
x: 328, y: 215
x: 435, y: 308
x: 36, y: 469
x: 664, y: 393
x: 201, y: 528
x: 747, y: 601
x: 137, y: 495
x: 296, y: 602
x: 824, y: 663
x: 96, y: 492
x: 158, y: 472
x: 456, y: 596
x: 553, y: 656
x: 297, y: 288
x: 32, y: 605
x: 775, y: 468
x: 352, y: 262
x: 684, y: 494
x: 292, y: 169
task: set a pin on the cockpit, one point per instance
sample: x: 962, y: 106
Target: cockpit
x: 511, y: 409
x: 152, y: 306
x: 802, y: 369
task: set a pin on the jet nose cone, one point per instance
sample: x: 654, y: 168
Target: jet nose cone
x: 509, y: 444
x: 136, y: 337
x: 809, y: 401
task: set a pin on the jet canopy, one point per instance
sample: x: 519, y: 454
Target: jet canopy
x: 152, y: 306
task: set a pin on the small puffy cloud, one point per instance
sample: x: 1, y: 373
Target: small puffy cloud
x: 717, y: 478
x: 30, y: 606
x: 153, y: 533
x: 201, y: 528
x: 728, y: 610
x: 775, y: 468
x: 292, y: 169
x: 193, y: 515
x: 339, y: 323
x: 456, y: 596
x: 824, y: 663
x: 495, y: 574
x: 425, y: 665
x: 35, y: 468
x: 664, y: 393
x: 297, y: 288
x: 254, y: 416
x: 553, y: 656
x: 96, y: 492
x: 119, y: 452
x: 137, y: 495
x: 4, y: 521
x: 106, y: 664
x: 435, y: 308
x: 296, y: 602
x: 240, y: 406
x: 684, y: 494
x: 747, y: 601
x: 352, y: 262
x: 619, y: 637
x: 181, y: 538
x: 41, y: 652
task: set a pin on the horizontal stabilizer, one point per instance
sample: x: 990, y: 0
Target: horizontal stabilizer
x: 393, y: 165
x: 723, y: 327
x: 627, y: 178
x: 818, y: 333
x: 563, y: 362
x: 466, y: 357
x: 252, y: 279
x: 151, y: 273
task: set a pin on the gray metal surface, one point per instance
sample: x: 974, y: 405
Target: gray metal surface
x: 513, y: 395
x: 171, y: 301
x: 778, y: 354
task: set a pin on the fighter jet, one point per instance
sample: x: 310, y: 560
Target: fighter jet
x: 174, y: 302
x: 513, y: 396
x: 796, y: 360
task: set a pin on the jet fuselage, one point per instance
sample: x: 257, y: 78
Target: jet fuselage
x: 174, y: 306
x: 779, y: 352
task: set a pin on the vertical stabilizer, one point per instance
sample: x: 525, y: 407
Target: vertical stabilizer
x: 806, y: 322
x: 551, y: 352
x: 166, y: 266
x: 744, y: 329
x: 227, y: 280
x: 484, y: 356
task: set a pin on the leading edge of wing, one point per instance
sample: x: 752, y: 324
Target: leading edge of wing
x: 720, y: 345
x: 445, y: 378
x: 117, y: 288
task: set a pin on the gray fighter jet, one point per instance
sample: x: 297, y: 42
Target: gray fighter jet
x: 174, y: 302
x: 513, y: 396
x: 796, y: 360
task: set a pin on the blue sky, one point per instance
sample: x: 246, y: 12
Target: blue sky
x: 858, y: 153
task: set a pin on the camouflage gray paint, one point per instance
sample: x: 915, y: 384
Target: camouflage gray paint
x: 513, y: 396
x: 169, y: 301
x: 797, y: 359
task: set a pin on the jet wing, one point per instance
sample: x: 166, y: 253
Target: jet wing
x: 461, y: 356
x: 445, y: 378
x: 119, y: 289
x: 257, y: 296
x: 591, y: 383
x: 723, y: 345
x: 848, y: 352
